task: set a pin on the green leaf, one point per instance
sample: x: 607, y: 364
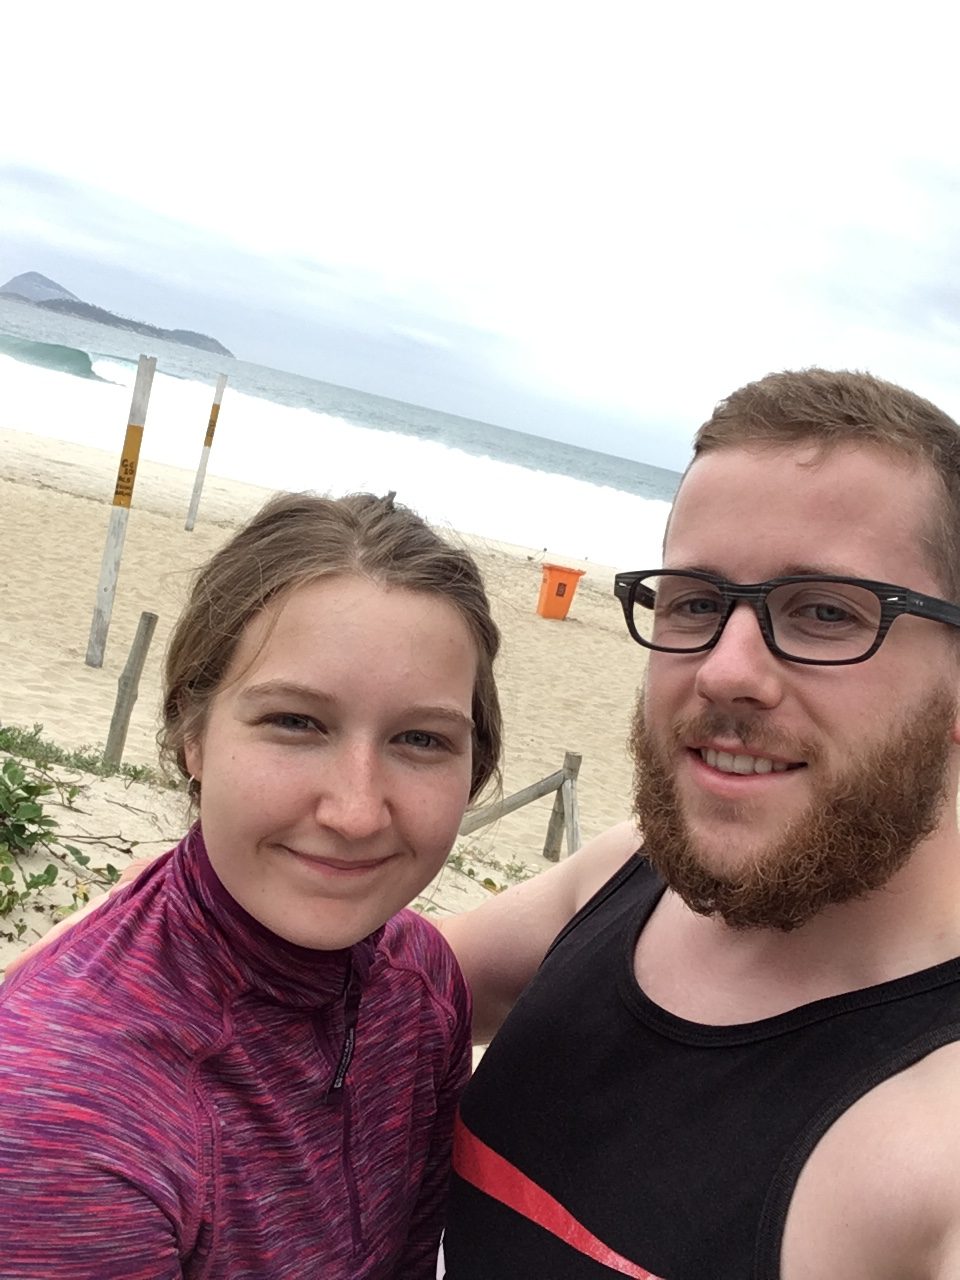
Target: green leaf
x: 13, y: 772
x: 42, y: 880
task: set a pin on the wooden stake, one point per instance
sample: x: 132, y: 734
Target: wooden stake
x: 205, y: 453
x: 120, y: 512
x: 128, y: 686
x: 564, y: 817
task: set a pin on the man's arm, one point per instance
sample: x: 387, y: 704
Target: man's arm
x: 500, y: 945
x: 878, y: 1197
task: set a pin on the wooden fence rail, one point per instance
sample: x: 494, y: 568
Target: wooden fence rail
x: 564, y: 817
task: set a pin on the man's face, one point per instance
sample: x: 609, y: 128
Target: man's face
x: 867, y: 748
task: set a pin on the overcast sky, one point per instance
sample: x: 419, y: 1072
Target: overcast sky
x: 588, y: 220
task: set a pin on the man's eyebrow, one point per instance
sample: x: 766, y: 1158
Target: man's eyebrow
x: 830, y: 568
x: 823, y: 569
x: 291, y: 689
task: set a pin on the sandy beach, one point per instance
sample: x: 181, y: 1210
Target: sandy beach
x: 565, y: 685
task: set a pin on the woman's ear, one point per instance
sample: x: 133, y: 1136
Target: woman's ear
x: 193, y: 757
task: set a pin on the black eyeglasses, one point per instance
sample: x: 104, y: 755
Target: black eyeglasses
x: 822, y: 620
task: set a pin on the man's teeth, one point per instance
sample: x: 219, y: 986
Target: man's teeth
x: 726, y: 762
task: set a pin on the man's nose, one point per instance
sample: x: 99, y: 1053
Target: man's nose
x: 740, y: 668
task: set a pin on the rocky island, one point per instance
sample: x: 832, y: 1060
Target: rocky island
x: 39, y: 291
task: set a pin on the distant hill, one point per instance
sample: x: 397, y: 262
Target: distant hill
x: 33, y: 287
x: 40, y: 291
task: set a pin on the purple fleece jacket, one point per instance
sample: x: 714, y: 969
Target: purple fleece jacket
x: 183, y: 1094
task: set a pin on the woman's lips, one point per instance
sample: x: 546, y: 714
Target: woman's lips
x: 339, y: 866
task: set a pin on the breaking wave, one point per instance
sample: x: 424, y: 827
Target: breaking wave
x: 49, y: 355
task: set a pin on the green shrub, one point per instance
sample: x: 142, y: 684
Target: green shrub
x: 29, y: 833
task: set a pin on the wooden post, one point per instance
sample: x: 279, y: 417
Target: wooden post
x: 571, y: 807
x: 564, y: 817
x: 128, y: 686
x: 205, y: 452
x: 120, y: 512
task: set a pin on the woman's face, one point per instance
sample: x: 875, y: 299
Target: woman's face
x: 335, y: 758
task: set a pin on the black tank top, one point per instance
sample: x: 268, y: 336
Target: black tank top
x: 603, y: 1136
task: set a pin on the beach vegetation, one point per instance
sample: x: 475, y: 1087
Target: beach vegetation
x: 34, y: 856
x: 492, y: 873
x: 30, y: 744
x: 477, y: 865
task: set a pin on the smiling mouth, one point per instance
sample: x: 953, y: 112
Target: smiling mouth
x: 728, y: 762
x: 340, y: 864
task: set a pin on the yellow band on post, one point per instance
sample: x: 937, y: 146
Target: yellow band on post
x: 211, y: 426
x: 127, y: 473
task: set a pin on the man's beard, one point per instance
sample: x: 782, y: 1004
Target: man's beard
x: 858, y: 830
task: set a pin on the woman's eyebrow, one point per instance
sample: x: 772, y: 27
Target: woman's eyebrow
x: 283, y: 689
x: 291, y: 689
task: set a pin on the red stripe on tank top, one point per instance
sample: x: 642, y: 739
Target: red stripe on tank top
x: 496, y: 1177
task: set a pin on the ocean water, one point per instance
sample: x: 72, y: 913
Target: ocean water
x: 71, y: 379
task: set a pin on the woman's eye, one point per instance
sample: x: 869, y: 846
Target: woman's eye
x: 422, y: 739
x: 291, y: 721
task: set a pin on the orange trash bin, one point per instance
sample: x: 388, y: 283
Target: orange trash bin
x: 557, y: 589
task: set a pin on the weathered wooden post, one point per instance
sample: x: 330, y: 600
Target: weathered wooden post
x: 571, y: 806
x: 205, y: 453
x: 565, y: 815
x: 120, y: 512
x: 128, y: 686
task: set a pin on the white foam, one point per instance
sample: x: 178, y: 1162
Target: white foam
x: 281, y: 447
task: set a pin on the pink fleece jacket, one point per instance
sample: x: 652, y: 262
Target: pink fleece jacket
x: 183, y: 1094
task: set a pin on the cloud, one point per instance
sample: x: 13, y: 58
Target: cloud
x: 615, y: 214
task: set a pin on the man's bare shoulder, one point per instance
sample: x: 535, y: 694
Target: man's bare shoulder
x: 592, y: 866
x: 500, y: 945
x: 878, y: 1197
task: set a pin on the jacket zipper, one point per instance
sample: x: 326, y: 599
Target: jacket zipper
x: 338, y: 1093
x: 350, y: 1177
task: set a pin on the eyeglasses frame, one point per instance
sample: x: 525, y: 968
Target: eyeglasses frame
x: 894, y: 601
